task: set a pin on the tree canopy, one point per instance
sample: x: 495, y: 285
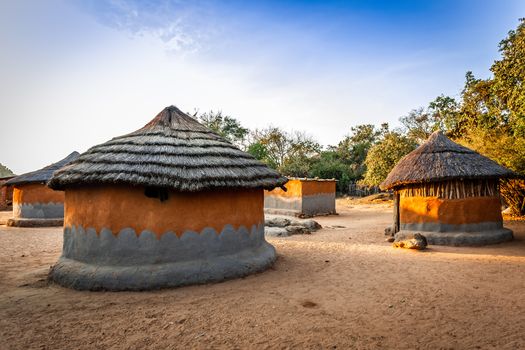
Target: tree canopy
x: 224, y: 125
x: 384, y: 155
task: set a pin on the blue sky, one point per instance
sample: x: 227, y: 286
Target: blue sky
x: 76, y: 73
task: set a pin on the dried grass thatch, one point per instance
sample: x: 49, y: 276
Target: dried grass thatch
x: 172, y: 151
x: 440, y: 159
x: 43, y: 175
x: 453, y: 189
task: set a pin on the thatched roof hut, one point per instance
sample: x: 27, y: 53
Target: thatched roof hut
x: 449, y: 193
x: 440, y: 159
x: 34, y: 204
x: 170, y: 204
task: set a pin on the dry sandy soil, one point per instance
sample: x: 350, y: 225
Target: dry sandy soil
x: 341, y: 287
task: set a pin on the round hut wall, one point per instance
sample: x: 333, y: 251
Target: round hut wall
x: 119, y: 207
x: 37, y: 201
x: 120, y: 238
x: 458, y: 205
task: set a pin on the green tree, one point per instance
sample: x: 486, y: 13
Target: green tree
x: 480, y: 108
x: 496, y: 106
x: 509, y: 78
x: 225, y: 126
x: 276, y: 144
x: 300, y: 155
x: 329, y: 165
x: 259, y: 151
x: 418, y: 124
x: 492, y: 113
x: 499, y: 145
x: 352, y: 150
x: 384, y: 155
x: 290, y: 153
x: 441, y: 114
x: 444, y: 111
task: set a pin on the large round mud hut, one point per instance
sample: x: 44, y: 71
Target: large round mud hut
x: 35, y: 204
x: 448, y: 193
x: 170, y: 204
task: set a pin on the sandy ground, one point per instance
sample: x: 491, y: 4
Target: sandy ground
x: 341, y: 287
x: 4, y: 216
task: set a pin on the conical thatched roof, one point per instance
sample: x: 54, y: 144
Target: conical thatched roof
x: 173, y: 151
x: 43, y: 175
x: 440, y: 159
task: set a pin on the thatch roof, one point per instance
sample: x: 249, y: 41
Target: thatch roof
x: 42, y: 175
x: 440, y: 159
x: 171, y: 151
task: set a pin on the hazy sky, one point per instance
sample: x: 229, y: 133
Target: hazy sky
x: 77, y: 73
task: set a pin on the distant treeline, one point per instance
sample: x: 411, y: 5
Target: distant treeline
x: 489, y: 117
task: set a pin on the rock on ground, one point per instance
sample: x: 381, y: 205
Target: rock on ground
x: 296, y: 230
x: 309, y: 224
x: 278, y: 226
x: 415, y: 241
x: 276, y: 231
x: 276, y: 221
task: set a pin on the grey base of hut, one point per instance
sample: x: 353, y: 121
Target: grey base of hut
x: 307, y: 207
x: 39, y: 210
x: 26, y: 222
x: 461, y: 238
x: 82, y: 276
x: 92, y: 261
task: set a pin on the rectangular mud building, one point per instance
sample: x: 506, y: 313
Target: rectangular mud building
x: 304, y: 197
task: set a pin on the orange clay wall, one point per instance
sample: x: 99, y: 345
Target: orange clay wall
x: 36, y: 193
x: 299, y: 188
x: 6, y: 195
x: 449, y: 211
x: 293, y: 189
x: 117, y: 208
x: 317, y: 187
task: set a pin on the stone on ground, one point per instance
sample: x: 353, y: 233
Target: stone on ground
x: 276, y: 231
x: 276, y: 221
x: 415, y: 241
x: 309, y: 224
x: 297, y: 230
x: 279, y: 226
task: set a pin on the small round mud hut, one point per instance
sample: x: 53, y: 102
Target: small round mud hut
x: 35, y: 204
x: 448, y: 193
x: 170, y: 204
